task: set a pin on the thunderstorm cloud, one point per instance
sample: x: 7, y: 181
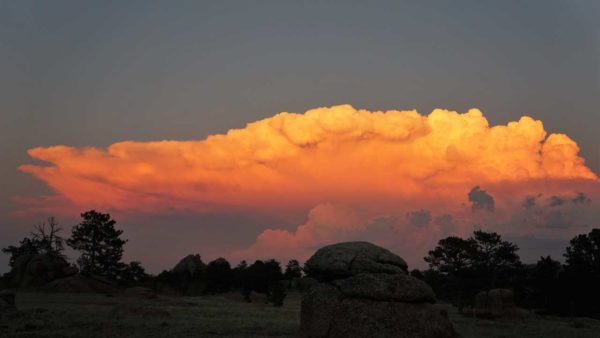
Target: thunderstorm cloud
x: 396, y: 177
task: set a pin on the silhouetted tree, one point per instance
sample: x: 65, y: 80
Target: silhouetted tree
x: 494, y: 256
x: 452, y: 255
x: 451, y: 262
x: 582, y: 274
x: 99, y: 243
x: 242, y: 266
x: 463, y: 267
x: 44, y: 239
x: 583, y: 255
x: 292, y: 270
x: 261, y: 277
x: 438, y: 282
x: 219, y: 276
x: 238, y: 275
x: 417, y: 274
x: 47, y: 235
x: 545, y: 281
x: 27, y: 246
x: 272, y: 271
x: 132, y: 273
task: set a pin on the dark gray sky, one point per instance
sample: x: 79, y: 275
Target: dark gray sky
x: 92, y: 73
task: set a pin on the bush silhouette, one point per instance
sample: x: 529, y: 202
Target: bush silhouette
x: 262, y: 277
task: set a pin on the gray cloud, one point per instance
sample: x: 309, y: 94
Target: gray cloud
x: 529, y: 202
x: 556, y: 201
x: 581, y: 198
x: 480, y: 199
x: 419, y: 218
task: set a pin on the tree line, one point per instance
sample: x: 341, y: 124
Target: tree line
x: 95, y: 238
x: 458, y: 269
x: 101, y: 250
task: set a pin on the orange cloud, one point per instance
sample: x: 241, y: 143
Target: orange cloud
x: 396, y: 178
x: 337, y: 154
x: 326, y: 223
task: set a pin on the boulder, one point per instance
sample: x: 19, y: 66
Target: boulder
x: 327, y: 312
x: 497, y: 304
x: 319, y: 307
x: 351, y: 258
x: 366, y: 292
x: 386, y: 287
x: 303, y: 283
x: 365, y: 318
x: 191, y: 265
x: 80, y: 284
x: 31, y: 271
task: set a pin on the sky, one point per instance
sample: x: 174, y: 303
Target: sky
x: 291, y: 125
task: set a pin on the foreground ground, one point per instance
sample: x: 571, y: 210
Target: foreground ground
x: 85, y: 315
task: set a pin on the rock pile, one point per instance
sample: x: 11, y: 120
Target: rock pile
x: 497, y: 304
x: 365, y: 291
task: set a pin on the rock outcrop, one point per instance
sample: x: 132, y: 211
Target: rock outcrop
x: 191, y: 265
x: 302, y: 283
x: 364, y: 291
x: 32, y: 271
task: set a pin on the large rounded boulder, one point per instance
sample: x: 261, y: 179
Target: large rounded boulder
x: 366, y: 292
x: 386, y: 287
x: 351, y: 258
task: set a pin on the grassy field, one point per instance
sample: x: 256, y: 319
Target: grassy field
x: 86, y: 315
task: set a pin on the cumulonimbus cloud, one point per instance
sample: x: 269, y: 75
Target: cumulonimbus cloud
x: 325, y: 154
x: 396, y: 177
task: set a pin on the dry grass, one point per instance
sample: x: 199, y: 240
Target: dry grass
x: 89, y: 315
x: 86, y: 315
x: 533, y: 326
